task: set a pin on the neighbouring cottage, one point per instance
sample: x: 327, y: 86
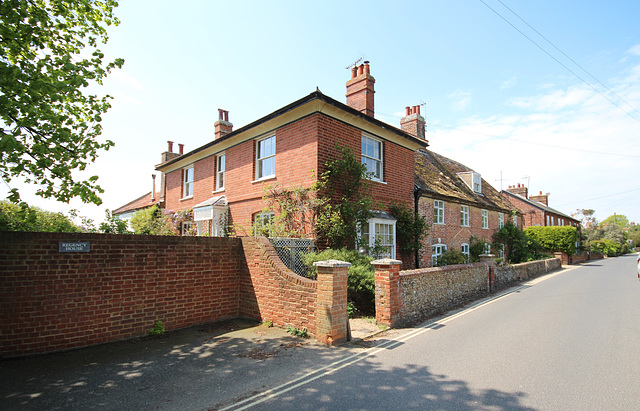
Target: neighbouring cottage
x: 224, y: 180
x: 458, y: 204
x: 536, y: 210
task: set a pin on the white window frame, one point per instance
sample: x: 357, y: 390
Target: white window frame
x: 515, y: 219
x: 436, y: 251
x: 500, y: 220
x: 501, y: 251
x: 477, y: 183
x: 188, y: 225
x: 487, y: 248
x: 221, y: 165
x: 260, y: 220
x: 464, y: 216
x: 485, y: 219
x: 464, y: 249
x: 438, y: 212
x: 265, y: 159
x: 372, y: 232
x: 369, y: 159
x: 188, y: 178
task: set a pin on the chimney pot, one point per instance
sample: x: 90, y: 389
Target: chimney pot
x: 407, y: 110
x: 366, y: 67
x: 180, y: 148
x: 220, y: 114
x: 170, y: 148
x: 354, y: 72
x: 418, y: 109
x: 361, y: 69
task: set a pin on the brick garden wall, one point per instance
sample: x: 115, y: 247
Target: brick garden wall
x: 52, y: 301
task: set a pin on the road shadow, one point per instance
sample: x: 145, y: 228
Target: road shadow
x: 369, y: 386
x: 185, y: 369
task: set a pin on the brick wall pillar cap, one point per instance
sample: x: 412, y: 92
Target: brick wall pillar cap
x: 386, y: 261
x: 487, y: 256
x: 331, y: 263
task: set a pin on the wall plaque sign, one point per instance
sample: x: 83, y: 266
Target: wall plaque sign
x: 74, y: 247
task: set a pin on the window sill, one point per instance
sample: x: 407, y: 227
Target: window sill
x: 377, y: 181
x: 272, y: 177
x: 186, y: 198
x: 220, y: 190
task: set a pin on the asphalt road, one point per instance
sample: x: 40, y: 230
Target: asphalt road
x: 567, y: 341
x: 564, y: 341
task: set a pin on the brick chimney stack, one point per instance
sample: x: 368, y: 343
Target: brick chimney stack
x: 541, y: 198
x: 413, y: 123
x: 519, y: 189
x: 222, y: 126
x: 169, y: 154
x: 360, y: 89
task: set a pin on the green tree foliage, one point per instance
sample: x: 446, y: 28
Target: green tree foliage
x: 346, y: 201
x: 113, y: 225
x: 586, y: 216
x: 618, y: 219
x: 14, y: 217
x: 294, y: 211
x: 614, y: 233
x: 555, y: 238
x: 518, y: 247
x: 49, y: 125
x: 606, y: 247
x: 477, y: 247
x: 361, y: 286
x: 634, y: 235
x: 451, y: 257
x: 411, y: 229
x: 151, y: 221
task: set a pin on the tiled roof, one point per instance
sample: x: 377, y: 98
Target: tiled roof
x: 138, y: 204
x: 540, y: 206
x: 437, y: 176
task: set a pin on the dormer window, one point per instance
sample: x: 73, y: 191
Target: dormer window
x: 477, y: 183
x: 472, y: 180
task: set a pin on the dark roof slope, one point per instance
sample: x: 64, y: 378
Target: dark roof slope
x: 138, y: 204
x: 436, y: 176
x: 539, y: 205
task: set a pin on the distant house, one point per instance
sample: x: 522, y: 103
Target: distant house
x: 458, y: 204
x: 536, y: 210
x: 224, y: 180
x: 128, y: 210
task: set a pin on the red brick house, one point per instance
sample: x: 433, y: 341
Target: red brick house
x: 536, y: 210
x: 458, y: 204
x: 223, y: 181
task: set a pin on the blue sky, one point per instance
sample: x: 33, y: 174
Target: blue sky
x: 493, y: 99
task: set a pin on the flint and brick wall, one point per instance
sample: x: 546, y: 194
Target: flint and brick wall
x: 429, y: 291
x: 53, y: 301
x: 419, y: 294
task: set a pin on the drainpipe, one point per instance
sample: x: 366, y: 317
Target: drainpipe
x: 417, y: 192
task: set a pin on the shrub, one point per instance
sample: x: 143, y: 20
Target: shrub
x: 518, y: 246
x: 411, y: 228
x: 476, y: 248
x: 605, y: 246
x: 555, y: 238
x: 361, y: 287
x: 451, y: 257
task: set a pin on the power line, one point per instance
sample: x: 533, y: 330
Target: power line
x: 563, y: 65
x: 549, y: 145
x: 601, y: 197
x: 572, y: 60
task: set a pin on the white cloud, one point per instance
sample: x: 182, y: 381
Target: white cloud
x: 461, y: 100
x: 569, y: 141
x: 635, y: 50
x: 508, y: 83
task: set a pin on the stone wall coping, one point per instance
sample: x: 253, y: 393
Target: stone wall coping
x: 331, y: 263
x: 386, y: 261
x: 427, y: 270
